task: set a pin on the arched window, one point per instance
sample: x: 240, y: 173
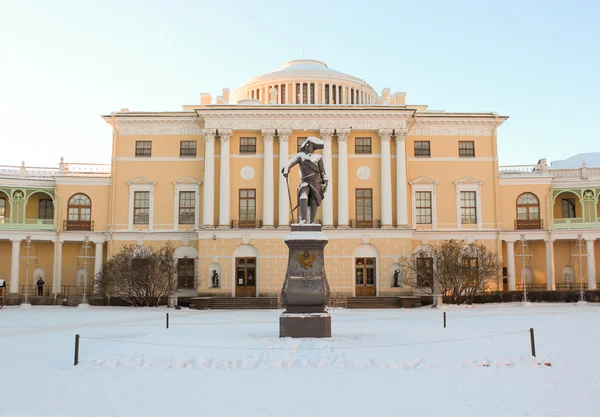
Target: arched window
x: 79, y: 212
x: 528, y: 212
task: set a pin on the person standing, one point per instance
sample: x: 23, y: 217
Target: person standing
x: 40, y: 286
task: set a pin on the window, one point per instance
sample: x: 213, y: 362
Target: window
x: 568, y: 208
x: 326, y: 93
x: 79, y: 208
x: 362, y: 145
x: 422, y: 149
x: 365, y: 271
x: 305, y: 93
x: 424, y: 272
x: 247, y: 204
x: 300, y: 142
x: 283, y: 94
x: 423, y: 207
x: 187, y: 148
x: 298, y: 96
x: 470, y: 266
x: 247, y: 145
x: 364, y: 204
x: 46, y: 209
x: 143, y: 148
x: 2, y: 207
x: 528, y: 207
x: 141, y: 207
x: 187, y: 207
x: 468, y: 207
x: 466, y: 149
x: 185, y: 273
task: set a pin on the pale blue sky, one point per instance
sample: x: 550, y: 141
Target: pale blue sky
x: 64, y: 63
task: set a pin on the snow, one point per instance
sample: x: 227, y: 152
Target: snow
x: 591, y: 159
x: 232, y: 363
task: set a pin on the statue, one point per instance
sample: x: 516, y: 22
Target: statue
x: 313, y: 186
x: 396, y: 273
x: 215, y: 279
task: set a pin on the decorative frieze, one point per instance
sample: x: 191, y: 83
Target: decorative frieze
x: 157, y: 127
x: 458, y: 130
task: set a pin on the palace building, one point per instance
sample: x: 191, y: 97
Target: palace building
x: 208, y: 180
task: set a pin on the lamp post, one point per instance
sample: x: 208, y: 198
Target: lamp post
x: 85, y: 256
x: 525, y: 301
x: 580, y: 254
x: 25, y: 303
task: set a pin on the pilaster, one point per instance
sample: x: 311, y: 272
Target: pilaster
x: 268, y: 190
x: 342, y: 137
x: 225, y: 181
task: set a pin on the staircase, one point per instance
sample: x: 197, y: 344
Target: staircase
x: 374, y: 302
x: 243, y: 303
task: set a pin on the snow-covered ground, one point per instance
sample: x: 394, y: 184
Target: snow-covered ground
x: 232, y: 363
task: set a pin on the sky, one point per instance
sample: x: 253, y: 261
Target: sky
x: 65, y: 63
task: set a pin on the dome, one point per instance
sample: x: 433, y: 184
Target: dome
x: 312, y: 82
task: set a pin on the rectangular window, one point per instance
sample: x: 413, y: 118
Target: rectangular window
x: 247, y: 204
x: 362, y: 145
x: 300, y: 142
x: 46, y: 209
x: 143, y: 148
x: 424, y: 272
x: 248, y: 145
x: 470, y: 269
x: 187, y: 207
x: 185, y: 273
x: 466, y: 149
x: 568, y: 208
x: 422, y: 149
x: 468, y: 207
x: 423, y: 207
x: 298, y: 96
x: 283, y: 94
x: 364, y: 204
x: 2, y: 208
x: 141, y: 207
x: 326, y: 93
x: 187, y: 148
x: 305, y: 93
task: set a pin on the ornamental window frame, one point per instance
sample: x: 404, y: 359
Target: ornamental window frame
x: 141, y: 184
x: 468, y: 184
x: 424, y: 184
x: 186, y: 184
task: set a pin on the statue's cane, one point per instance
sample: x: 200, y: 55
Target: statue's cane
x: 290, y: 197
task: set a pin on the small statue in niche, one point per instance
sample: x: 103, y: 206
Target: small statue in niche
x: 396, y: 276
x: 215, y: 279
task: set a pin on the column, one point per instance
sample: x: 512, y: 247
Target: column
x: 284, y: 200
x: 316, y: 93
x: 342, y: 137
x: 225, y: 182
x: 323, y: 98
x: 14, y: 266
x: 330, y: 93
x: 510, y: 263
x: 327, y: 207
x: 344, y: 94
x: 550, y: 277
x: 268, y: 189
x: 386, y: 179
x: 337, y: 94
x: 301, y: 93
x: 98, y: 258
x: 209, y: 179
x: 591, y: 264
x: 401, y: 180
x: 294, y: 92
x: 57, y: 269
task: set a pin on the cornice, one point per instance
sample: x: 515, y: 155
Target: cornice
x: 147, y: 127
x: 453, y: 127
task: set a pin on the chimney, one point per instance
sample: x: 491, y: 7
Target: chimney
x: 205, y: 98
x: 392, y: 99
x: 220, y: 100
x: 401, y: 99
x: 226, y: 95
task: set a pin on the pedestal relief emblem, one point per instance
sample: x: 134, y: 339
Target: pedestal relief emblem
x: 247, y: 172
x: 306, y: 259
x: 363, y: 172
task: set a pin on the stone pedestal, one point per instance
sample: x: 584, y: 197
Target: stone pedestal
x: 305, y: 292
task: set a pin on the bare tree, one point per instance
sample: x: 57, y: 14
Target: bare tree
x: 454, y: 269
x: 139, y: 275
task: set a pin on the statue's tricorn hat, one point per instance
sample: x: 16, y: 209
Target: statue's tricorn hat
x: 318, y: 143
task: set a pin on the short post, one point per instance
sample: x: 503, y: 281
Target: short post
x: 76, y: 360
x: 167, y: 320
x: 444, y: 319
x: 532, y: 337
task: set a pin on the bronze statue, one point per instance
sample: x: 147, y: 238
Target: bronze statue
x: 215, y: 279
x: 313, y: 186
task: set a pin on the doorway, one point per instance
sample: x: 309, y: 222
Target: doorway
x: 245, y: 277
x: 365, y: 274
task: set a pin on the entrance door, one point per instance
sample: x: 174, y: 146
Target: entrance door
x: 365, y: 277
x: 245, y: 277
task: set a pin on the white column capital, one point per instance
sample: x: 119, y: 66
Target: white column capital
x: 385, y: 134
x: 209, y: 135
x: 225, y: 135
x: 284, y: 134
x: 342, y: 134
x: 400, y: 135
x: 326, y: 134
x: 268, y: 134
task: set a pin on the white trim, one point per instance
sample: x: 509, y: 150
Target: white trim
x: 424, y: 184
x: 450, y: 159
x: 158, y: 158
x: 364, y: 250
x: 186, y: 187
x: 244, y: 251
x: 140, y: 187
x: 462, y: 185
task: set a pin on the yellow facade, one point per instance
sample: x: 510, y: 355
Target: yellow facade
x: 402, y: 161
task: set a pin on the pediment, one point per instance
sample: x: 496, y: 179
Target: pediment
x: 468, y: 180
x: 141, y: 180
x: 423, y: 180
x: 186, y: 180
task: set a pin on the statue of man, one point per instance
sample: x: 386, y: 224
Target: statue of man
x: 215, y: 279
x: 313, y: 186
